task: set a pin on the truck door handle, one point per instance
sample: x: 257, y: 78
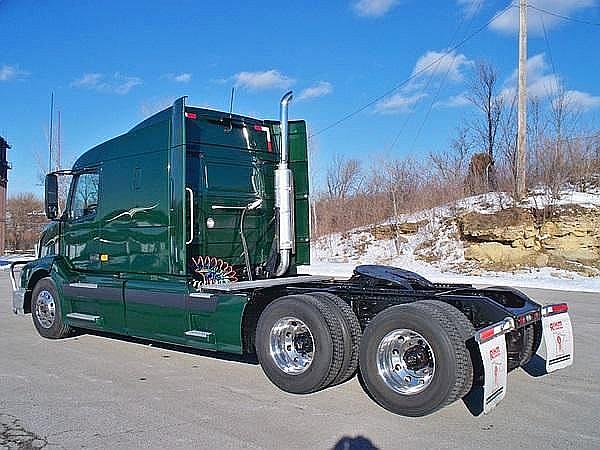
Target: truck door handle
x: 191, y: 205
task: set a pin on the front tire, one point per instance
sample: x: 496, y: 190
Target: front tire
x: 46, y: 310
x: 414, y: 360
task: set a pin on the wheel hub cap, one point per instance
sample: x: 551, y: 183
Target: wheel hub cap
x: 45, y: 309
x: 291, y: 345
x: 405, y: 361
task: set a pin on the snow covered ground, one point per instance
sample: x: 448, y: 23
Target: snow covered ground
x: 441, y: 252
x: 7, y: 260
x: 546, y: 278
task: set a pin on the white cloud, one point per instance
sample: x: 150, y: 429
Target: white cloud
x: 440, y: 63
x: 116, y: 84
x: 509, y: 21
x: 184, y: 77
x: 8, y: 72
x: 399, y: 103
x: 433, y: 63
x: 373, y: 8
x: 470, y: 7
x: 88, y: 80
x: 257, y: 81
x: 582, y: 100
x: 540, y: 82
x: 456, y: 101
x: 318, y: 90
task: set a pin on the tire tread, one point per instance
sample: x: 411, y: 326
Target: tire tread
x: 350, y: 364
x: 337, y: 359
x: 458, y: 327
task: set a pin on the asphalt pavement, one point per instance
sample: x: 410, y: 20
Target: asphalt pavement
x: 94, y: 391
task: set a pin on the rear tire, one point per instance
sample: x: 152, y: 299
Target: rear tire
x: 351, y: 334
x: 413, y: 359
x: 299, y: 343
x: 46, y: 310
x: 467, y: 332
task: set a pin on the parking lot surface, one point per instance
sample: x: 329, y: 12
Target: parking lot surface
x: 101, y: 392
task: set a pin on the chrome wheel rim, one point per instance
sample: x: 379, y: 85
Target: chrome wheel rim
x: 292, y: 346
x: 405, y: 361
x: 45, y: 309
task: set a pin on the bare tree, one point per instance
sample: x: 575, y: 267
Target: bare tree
x: 485, y: 97
x: 450, y: 165
x: 481, y: 158
x: 24, y: 220
x: 563, y: 123
x: 403, y: 180
x: 344, y: 177
x: 507, y: 148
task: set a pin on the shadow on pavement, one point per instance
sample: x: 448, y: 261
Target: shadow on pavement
x: 474, y: 400
x: 246, y: 358
x: 536, y: 367
x: 355, y: 443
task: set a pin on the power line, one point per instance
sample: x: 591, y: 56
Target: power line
x: 562, y: 16
x: 442, y: 82
x: 548, y: 47
x: 429, y: 80
x: 415, y: 74
x: 583, y: 137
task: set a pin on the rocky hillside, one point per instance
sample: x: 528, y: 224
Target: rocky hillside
x: 569, y: 238
x: 482, y: 234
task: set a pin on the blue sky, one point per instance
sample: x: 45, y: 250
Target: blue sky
x: 112, y: 63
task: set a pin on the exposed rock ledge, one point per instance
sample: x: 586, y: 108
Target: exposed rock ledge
x: 515, y: 238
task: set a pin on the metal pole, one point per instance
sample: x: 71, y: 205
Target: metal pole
x: 59, y: 145
x: 51, y: 126
x: 231, y: 102
x: 522, y: 102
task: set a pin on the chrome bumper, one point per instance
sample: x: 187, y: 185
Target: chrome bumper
x: 18, y: 293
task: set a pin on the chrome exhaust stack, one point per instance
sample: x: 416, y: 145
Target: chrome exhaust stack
x: 284, y: 193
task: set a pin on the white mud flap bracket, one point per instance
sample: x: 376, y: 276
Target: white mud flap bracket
x: 492, y: 346
x: 558, y: 336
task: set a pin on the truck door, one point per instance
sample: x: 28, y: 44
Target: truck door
x: 156, y: 302
x: 80, y: 229
x: 96, y: 299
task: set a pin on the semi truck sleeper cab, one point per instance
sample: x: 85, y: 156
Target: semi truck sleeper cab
x: 189, y: 230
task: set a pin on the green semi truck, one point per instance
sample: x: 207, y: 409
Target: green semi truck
x: 189, y: 230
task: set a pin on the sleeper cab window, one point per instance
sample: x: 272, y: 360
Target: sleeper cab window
x: 85, y: 196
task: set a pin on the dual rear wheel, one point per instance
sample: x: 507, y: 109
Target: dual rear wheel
x: 413, y: 358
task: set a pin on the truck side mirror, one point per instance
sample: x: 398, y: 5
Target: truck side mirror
x: 51, y: 196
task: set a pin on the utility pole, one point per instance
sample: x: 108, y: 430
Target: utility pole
x: 522, y: 103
